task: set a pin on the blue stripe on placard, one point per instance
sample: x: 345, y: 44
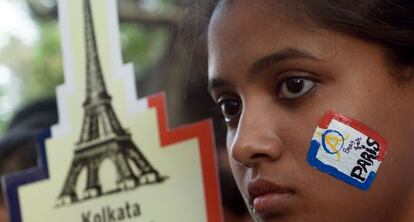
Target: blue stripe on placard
x: 12, y: 181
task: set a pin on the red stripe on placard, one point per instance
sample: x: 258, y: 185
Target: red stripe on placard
x: 203, y: 131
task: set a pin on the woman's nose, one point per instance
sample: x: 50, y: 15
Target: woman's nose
x: 256, y: 140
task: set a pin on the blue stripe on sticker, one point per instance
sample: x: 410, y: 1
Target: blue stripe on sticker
x: 313, y: 161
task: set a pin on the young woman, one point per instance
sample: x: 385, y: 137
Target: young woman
x: 288, y: 72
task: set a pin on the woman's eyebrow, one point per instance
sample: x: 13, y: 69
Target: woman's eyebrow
x: 282, y: 55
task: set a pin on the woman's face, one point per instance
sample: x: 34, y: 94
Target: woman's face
x: 273, y: 79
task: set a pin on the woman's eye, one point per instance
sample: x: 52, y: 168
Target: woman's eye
x: 294, y: 87
x: 230, y: 108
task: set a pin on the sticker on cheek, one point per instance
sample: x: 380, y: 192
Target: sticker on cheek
x: 347, y: 149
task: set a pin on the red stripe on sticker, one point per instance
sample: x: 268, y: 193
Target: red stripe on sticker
x: 329, y: 115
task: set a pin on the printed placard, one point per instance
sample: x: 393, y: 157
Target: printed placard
x: 347, y: 150
x: 112, y: 157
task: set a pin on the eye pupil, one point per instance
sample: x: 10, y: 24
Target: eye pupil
x: 295, y: 85
x: 230, y: 108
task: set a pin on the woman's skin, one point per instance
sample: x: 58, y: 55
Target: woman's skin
x: 3, y: 211
x: 274, y: 77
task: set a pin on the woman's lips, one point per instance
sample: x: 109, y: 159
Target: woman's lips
x: 268, y: 198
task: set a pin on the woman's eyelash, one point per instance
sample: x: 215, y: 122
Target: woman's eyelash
x: 294, y: 84
x: 294, y: 74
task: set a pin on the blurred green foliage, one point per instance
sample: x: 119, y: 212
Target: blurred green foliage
x: 142, y: 46
x: 46, y: 70
x: 3, y: 125
x: 3, y: 121
x: 39, y: 68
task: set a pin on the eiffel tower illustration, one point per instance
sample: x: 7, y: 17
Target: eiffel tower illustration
x: 102, y: 136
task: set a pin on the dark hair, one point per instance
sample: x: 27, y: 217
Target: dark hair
x: 18, y: 146
x: 388, y: 23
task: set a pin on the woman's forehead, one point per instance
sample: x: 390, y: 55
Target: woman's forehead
x: 241, y: 36
x: 248, y: 22
x: 243, y: 33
